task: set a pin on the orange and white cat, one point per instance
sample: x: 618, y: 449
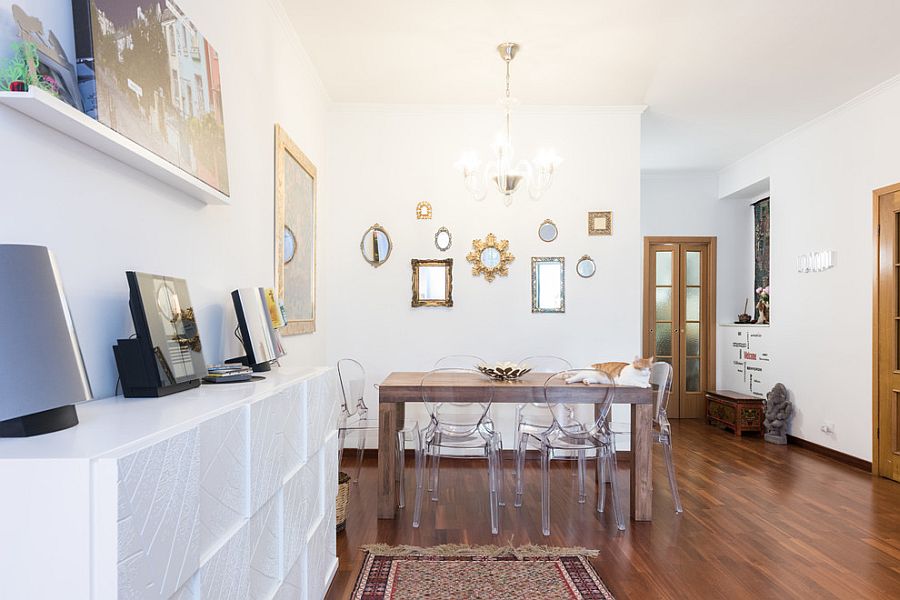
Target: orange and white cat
x: 636, y: 373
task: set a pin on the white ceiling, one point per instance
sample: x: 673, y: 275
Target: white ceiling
x: 720, y: 77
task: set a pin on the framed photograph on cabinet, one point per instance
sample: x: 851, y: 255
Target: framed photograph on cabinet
x: 600, y: 223
x: 295, y: 234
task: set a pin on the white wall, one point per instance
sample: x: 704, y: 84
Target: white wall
x: 821, y: 179
x: 688, y: 204
x: 102, y: 218
x: 383, y: 160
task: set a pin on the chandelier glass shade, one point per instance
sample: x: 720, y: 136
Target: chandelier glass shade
x: 503, y: 171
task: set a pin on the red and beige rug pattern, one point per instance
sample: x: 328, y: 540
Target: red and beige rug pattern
x: 455, y: 572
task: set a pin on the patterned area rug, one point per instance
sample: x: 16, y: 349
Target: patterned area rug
x: 478, y: 573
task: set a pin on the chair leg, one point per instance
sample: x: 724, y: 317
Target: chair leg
x: 602, y: 481
x: 670, y: 467
x: 520, y: 467
x: 421, y: 459
x: 498, y: 448
x: 614, y: 490
x: 401, y: 468
x: 435, y: 468
x: 545, y: 488
x: 582, y: 497
x: 360, y: 450
x: 342, y: 436
x: 493, y: 486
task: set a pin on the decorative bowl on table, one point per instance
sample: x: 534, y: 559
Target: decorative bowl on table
x: 505, y: 371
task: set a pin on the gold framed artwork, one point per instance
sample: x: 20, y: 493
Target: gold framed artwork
x: 423, y: 210
x: 432, y: 282
x: 490, y: 257
x: 295, y: 234
x: 600, y: 223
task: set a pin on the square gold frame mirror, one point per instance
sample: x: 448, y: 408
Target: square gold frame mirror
x: 295, y: 234
x: 432, y: 282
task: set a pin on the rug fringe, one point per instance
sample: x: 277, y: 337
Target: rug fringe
x: 528, y: 551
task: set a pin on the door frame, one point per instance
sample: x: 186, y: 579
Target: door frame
x: 711, y: 290
x: 876, y: 337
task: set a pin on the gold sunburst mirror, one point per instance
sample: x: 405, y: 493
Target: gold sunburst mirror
x: 490, y: 257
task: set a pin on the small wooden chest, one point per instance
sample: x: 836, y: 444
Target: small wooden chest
x: 736, y: 411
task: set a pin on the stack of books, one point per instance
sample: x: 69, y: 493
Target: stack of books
x: 228, y: 373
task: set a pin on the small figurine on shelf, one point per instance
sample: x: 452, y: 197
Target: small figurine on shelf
x: 763, y: 305
x: 744, y: 317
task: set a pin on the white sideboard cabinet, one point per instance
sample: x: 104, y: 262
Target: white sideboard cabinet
x: 221, y: 492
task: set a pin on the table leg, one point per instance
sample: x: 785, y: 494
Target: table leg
x: 387, y: 460
x: 642, y: 462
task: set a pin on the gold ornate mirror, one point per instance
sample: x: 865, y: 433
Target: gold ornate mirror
x: 548, y: 284
x: 432, y: 282
x: 295, y: 234
x: 490, y: 257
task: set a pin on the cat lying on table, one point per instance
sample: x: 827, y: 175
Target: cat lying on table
x: 636, y: 374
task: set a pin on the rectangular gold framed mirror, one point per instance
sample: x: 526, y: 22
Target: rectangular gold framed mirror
x: 548, y: 284
x: 295, y: 234
x: 432, y: 282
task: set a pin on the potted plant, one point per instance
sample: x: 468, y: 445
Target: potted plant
x: 21, y: 71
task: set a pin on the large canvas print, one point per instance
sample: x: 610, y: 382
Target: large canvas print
x: 145, y: 70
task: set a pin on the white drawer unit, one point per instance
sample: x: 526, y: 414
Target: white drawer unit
x: 744, y: 359
x: 223, y: 492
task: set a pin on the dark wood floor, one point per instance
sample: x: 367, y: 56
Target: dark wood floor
x: 759, y: 521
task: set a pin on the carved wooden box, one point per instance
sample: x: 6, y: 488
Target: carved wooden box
x: 736, y: 411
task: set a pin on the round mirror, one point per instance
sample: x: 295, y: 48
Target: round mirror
x: 490, y: 257
x: 376, y: 245
x: 547, y: 231
x: 443, y: 239
x: 586, y: 266
x: 290, y: 245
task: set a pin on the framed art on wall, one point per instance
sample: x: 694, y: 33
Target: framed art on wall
x: 295, y: 234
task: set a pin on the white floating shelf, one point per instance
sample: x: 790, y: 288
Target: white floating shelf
x: 56, y: 114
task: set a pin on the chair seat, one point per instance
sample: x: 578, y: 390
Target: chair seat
x: 354, y: 422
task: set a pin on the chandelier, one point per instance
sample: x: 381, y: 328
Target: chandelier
x: 504, y: 171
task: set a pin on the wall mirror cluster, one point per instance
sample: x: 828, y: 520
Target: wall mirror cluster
x: 548, y: 284
x: 548, y: 231
x: 490, y: 257
x: 442, y: 239
x: 585, y: 266
x: 432, y: 282
x: 376, y: 245
x: 295, y: 234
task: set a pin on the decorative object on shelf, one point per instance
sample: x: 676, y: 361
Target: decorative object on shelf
x: 490, y: 257
x: 507, y: 174
x: 442, y: 239
x: 547, y: 231
x: 432, y: 282
x: 744, y: 318
x: 600, y: 223
x: 815, y: 262
x: 39, y: 348
x: 261, y: 341
x: 585, y: 267
x: 376, y: 245
x: 762, y: 306
x: 548, y: 284
x: 423, y: 210
x: 778, y: 412
x: 43, y: 50
x: 131, y: 91
x: 342, y: 501
x: 295, y: 234
x: 504, y: 371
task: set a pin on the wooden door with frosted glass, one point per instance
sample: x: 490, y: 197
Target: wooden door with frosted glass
x: 679, y: 323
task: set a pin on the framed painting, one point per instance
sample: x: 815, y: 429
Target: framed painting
x: 295, y: 234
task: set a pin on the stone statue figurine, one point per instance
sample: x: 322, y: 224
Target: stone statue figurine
x: 778, y: 411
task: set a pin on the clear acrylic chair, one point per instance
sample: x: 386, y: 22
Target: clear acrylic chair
x: 354, y: 418
x: 459, y: 420
x: 533, y: 419
x: 569, y: 435
x: 661, y: 381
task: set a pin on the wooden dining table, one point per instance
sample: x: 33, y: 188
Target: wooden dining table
x: 402, y: 387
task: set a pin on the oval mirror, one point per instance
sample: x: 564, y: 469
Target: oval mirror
x: 442, y: 239
x: 586, y: 266
x: 490, y: 257
x: 376, y: 245
x: 290, y: 245
x: 548, y: 231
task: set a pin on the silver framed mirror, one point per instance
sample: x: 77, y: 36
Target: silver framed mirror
x: 442, y: 239
x: 585, y: 267
x: 548, y: 284
x: 548, y: 231
x: 376, y: 245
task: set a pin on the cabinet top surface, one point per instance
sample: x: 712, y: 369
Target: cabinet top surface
x: 116, y: 426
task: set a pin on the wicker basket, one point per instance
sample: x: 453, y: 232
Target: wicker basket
x: 342, y: 500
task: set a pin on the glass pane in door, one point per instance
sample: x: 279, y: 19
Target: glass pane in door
x: 692, y: 339
x: 692, y: 375
x: 692, y: 308
x: 663, y: 304
x: 663, y: 339
x: 663, y: 268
